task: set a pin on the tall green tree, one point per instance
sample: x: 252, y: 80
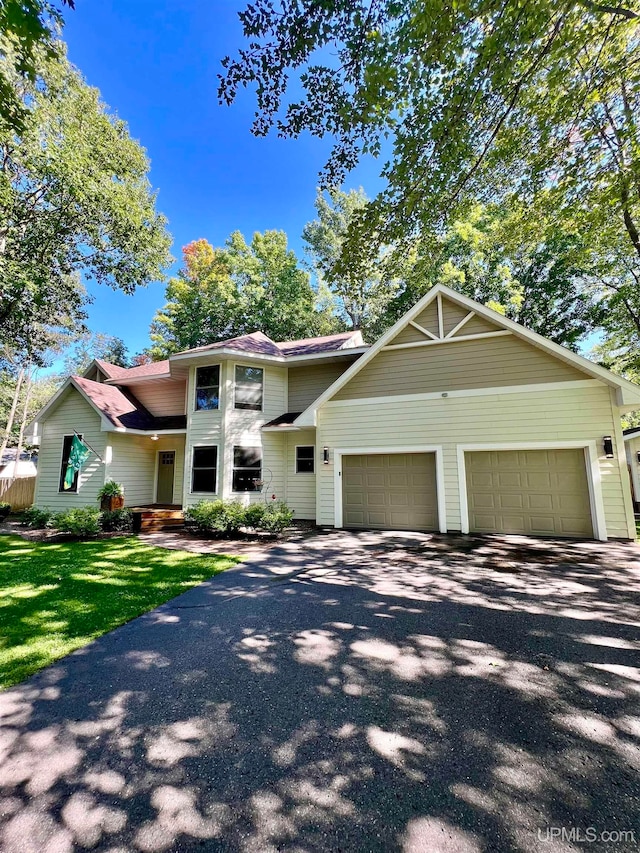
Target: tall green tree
x: 93, y: 345
x: 28, y: 28
x: 361, y: 290
x: 74, y: 200
x: 239, y: 288
x: 474, y: 100
x: 539, y: 275
x: 202, y: 303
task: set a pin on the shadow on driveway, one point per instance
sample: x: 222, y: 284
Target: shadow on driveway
x: 356, y: 692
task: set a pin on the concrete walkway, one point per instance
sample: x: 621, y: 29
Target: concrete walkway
x: 352, y: 692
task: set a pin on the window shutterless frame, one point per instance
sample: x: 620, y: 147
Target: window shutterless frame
x: 305, y: 459
x: 207, y: 388
x: 247, y: 469
x: 64, y: 459
x: 246, y: 381
x: 205, y: 463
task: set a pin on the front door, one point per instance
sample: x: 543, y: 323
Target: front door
x: 166, y: 467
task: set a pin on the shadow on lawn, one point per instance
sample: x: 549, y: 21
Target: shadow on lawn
x: 373, y: 701
x: 61, y: 595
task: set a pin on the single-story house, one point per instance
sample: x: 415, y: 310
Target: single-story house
x: 456, y: 419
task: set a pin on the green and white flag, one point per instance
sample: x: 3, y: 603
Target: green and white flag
x: 78, y: 455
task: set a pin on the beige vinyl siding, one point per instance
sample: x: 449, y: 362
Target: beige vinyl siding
x: 133, y: 465
x: 242, y: 428
x: 301, y: 488
x: 566, y: 414
x: 203, y: 428
x: 161, y: 396
x: 228, y: 427
x: 72, y: 413
x: 488, y: 362
x: 307, y: 383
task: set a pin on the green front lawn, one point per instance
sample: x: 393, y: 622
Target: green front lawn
x: 56, y: 597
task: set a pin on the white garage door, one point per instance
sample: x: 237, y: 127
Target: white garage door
x: 539, y: 492
x: 390, y: 491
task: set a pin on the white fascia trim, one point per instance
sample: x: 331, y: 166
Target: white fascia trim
x: 338, y: 453
x: 592, y: 463
x: 467, y: 392
x: 308, y: 417
x: 280, y: 429
x: 631, y: 436
x: 275, y: 359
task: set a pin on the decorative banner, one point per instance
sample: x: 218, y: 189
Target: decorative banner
x: 78, y: 455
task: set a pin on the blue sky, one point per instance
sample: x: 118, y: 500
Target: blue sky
x: 155, y: 64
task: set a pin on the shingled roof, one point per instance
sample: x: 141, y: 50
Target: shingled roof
x: 259, y: 343
x: 123, y: 409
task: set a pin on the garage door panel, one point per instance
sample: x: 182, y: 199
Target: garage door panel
x: 539, y: 492
x: 390, y: 491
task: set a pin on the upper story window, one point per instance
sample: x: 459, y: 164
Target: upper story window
x: 248, y: 387
x: 208, y: 388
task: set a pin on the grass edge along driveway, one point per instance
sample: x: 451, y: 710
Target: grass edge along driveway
x: 58, y: 596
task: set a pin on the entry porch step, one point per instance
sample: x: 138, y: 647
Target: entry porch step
x: 148, y: 518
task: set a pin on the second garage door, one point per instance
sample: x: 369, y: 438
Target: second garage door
x: 539, y: 492
x: 392, y: 491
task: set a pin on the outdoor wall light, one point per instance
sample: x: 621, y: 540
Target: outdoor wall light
x: 638, y: 456
x: 154, y: 437
x: 325, y: 455
x: 607, y: 443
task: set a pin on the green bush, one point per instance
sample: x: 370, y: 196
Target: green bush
x: 253, y: 515
x: 276, y: 517
x: 36, y: 518
x: 83, y: 522
x: 5, y: 509
x: 221, y: 518
x: 118, y: 520
x: 225, y: 518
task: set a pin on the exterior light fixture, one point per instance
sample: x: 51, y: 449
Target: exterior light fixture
x: 154, y: 437
x: 638, y: 456
x: 325, y: 455
x: 607, y: 444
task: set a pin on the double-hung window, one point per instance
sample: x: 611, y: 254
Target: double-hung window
x: 208, y: 388
x: 305, y: 457
x: 204, y: 474
x: 247, y: 469
x: 249, y: 383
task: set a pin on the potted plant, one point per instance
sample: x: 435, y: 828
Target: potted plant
x: 111, y: 496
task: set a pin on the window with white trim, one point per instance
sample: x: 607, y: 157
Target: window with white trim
x: 305, y: 459
x: 249, y: 382
x: 247, y: 469
x: 208, y: 388
x: 66, y: 452
x: 204, y: 471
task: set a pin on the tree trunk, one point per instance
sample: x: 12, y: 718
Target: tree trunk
x: 12, y: 412
x: 23, y: 422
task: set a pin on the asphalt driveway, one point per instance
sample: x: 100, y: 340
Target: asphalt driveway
x: 355, y: 692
